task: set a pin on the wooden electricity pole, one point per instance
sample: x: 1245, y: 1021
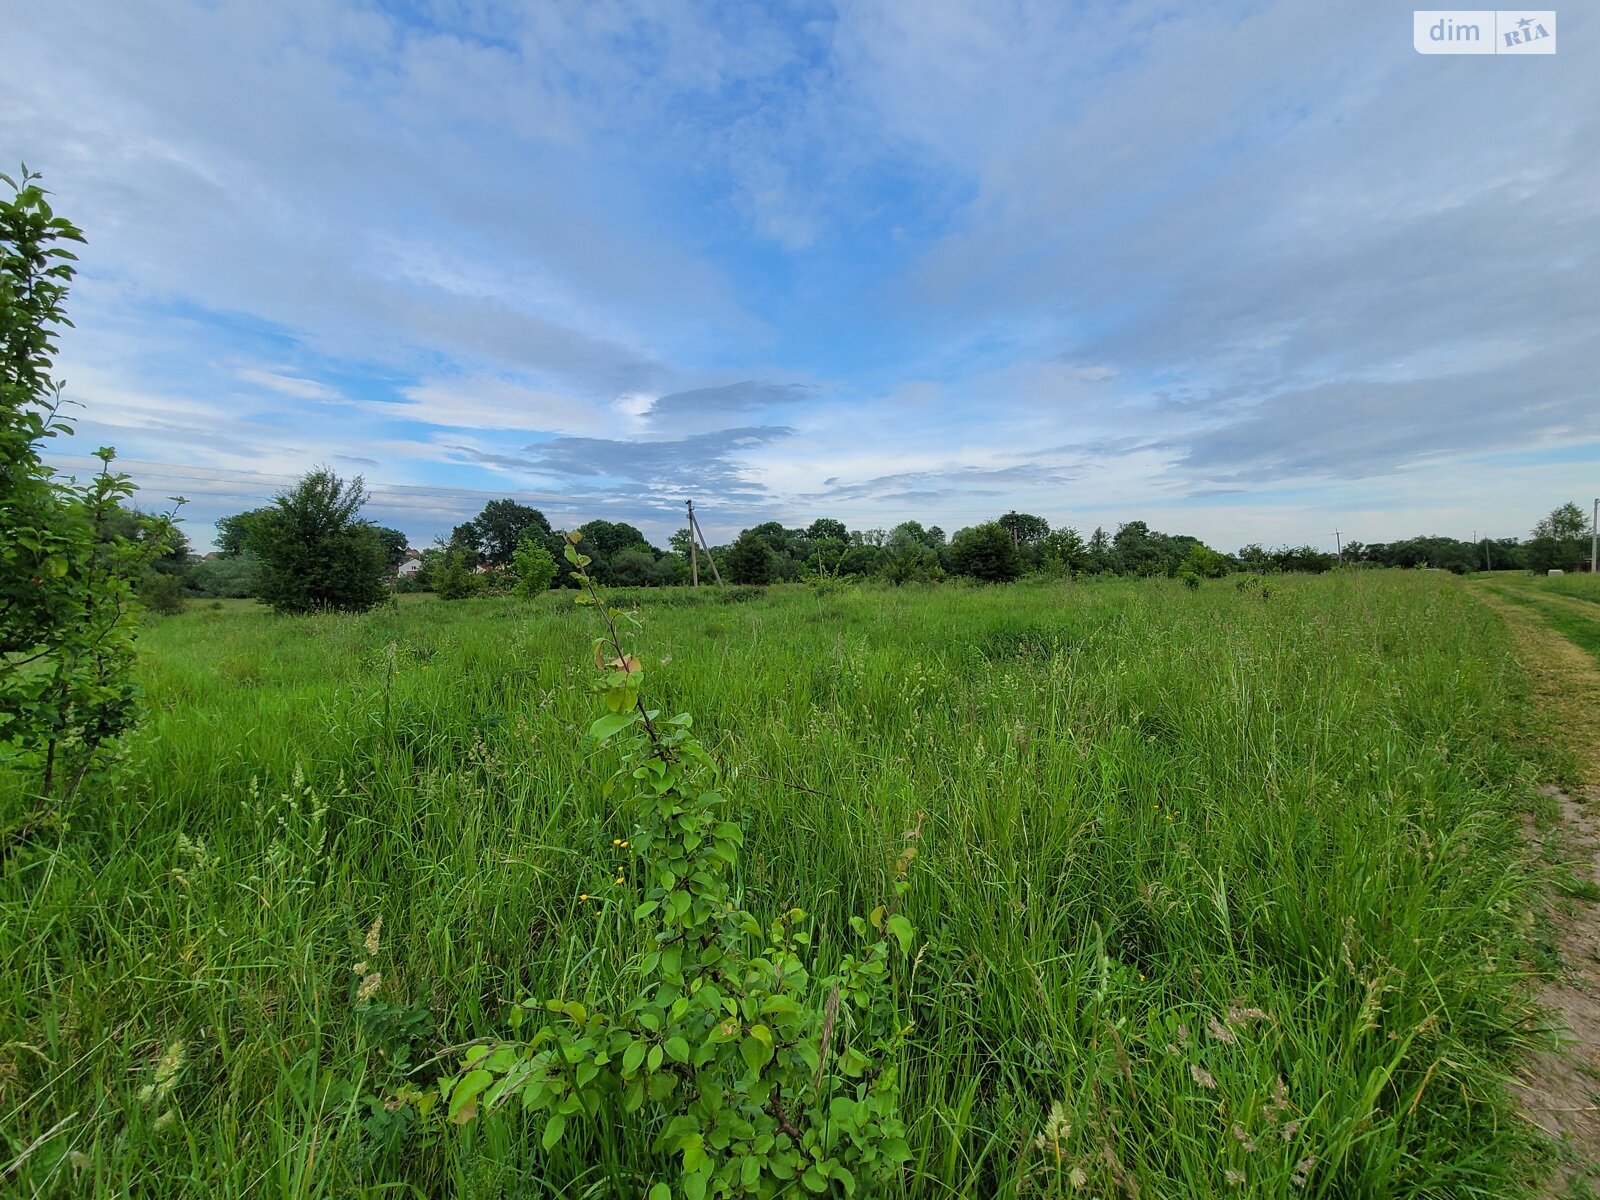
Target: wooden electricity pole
x: 694, y: 553
x: 694, y: 532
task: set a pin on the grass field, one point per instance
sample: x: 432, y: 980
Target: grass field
x: 1235, y: 882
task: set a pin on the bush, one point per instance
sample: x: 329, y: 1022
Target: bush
x: 453, y: 579
x: 163, y: 594
x: 534, y: 568
x: 986, y: 553
x: 912, y: 563
x: 229, y: 578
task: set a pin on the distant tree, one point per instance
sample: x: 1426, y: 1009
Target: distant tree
x: 633, y: 567
x: 454, y: 577
x: 605, y: 538
x: 875, y: 538
x: 315, y: 552
x: 911, y: 533
x: 534, y: 567
x: 748, y: 560
x: 670, y: 570
x: 1099, y: 551
x: 827, y: 529
x: 912, y: 562
x: 1254, y: 558
x: 1203, y: 562
x: 493, y: 536
x: 229, y: 577
x: 1303, y: 558
x: 1024, y: 528
x: 861, y: 560
x: 163, y: 594
x: 394, y: 544
x: 235, y: 533
x: 986, y: 552
x: 826, y: 556
x: 1560, y: 541
x: 1063, y: 553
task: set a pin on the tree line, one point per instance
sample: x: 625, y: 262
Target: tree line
x: 311, y: 549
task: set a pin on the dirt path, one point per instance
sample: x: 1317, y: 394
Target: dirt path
x: 1559, y: 1089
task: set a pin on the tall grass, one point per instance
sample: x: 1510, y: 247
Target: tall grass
x: 1221, y: 896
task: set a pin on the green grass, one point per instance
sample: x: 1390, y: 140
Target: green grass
x: 1142, y: 806
x: 1564, y: 603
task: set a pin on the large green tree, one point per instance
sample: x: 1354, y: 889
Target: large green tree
x: 316, y: 553
x: 493, y: 535
x: 1560, y: 541
x: 1025, y: 528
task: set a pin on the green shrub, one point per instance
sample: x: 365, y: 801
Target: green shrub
x: 534, y: 568
x: 232, y: 577
x: 453, y: 579
x: 68, y: 564
x: 163, y: 594
x: 756, y: 1075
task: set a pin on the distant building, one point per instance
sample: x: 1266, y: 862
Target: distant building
x: 410, y: 567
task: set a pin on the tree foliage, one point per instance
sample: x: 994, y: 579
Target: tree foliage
x: 534, y: 567
x: 749, y: 559
x: 986, y: 553
x: 70, y: 554
x: 1025, y: 528
x: 492, y: 537
x: 315, y: 552
x: 1560, y: 541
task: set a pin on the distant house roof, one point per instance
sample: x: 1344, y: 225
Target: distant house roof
x: 410, y: 567
x: 412, y: 552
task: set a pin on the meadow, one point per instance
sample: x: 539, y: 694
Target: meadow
x: 1220, y: 892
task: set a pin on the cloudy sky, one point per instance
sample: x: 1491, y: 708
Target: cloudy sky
x: 1252, y: 271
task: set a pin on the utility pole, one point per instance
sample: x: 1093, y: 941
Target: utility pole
x: 694, y: 553
x: 694, y: 531
x: 1338, y: 547
x: 1594, y: 536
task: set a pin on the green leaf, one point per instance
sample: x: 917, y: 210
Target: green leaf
x: 677, y: 1049
x: 553, y: 1129
x: 660, y: 1192
x: 903, y: 932
x: 632, y: 1057
x: 756, y: 1053
x: 611, y: 724
x: 466, y: 1093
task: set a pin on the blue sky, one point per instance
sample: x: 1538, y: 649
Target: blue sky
x: 1252, y: 271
